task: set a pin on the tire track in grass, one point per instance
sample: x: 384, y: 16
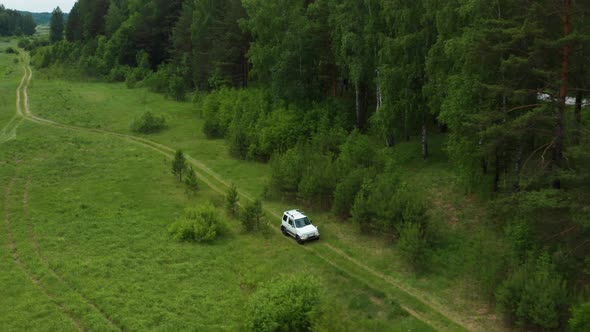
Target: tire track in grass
x: 8, y: 132
x: 32, y: 237
x: 30, y: 276
x: 459, y: 322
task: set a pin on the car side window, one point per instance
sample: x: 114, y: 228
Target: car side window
x: 291, y: 222
x: 284, y: 218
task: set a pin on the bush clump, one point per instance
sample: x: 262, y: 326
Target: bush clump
x: 148, y: 123
x: 199, y: 224
x: 287, y: 304
x: 384, y: 203
x: 580, y: 320
x: 413, y: 244
x: 11, y: 50
x: 535, y: 295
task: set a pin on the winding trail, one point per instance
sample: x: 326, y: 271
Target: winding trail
x: 8, y: 132
x: 418, y: 304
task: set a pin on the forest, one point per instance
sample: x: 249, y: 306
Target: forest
x: 325, y: 91
x: 13, y: 23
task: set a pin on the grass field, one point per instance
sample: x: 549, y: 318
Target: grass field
x: 85, y: 242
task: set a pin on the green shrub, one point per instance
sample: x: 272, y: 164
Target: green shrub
x: 346, y: 191
x: 176, y: 88
x: 413, y: 244
x: 200, y: 224
x: 358, y: 152
x: 252, y: 217
x: 118, y: 73
x: 10, y: 50
x: 287, y: 304
x: 375, y: 207
x: 239, y: 143
x: 278, y: 132
x: 148, y: 123
x: 139, y: 73
x: 212, y: 128
x: 580, y: 321
x: 519, y: 236
x: 24, y: 43
x: 157, y: 81
x: 535, y: 295
x: 318, y: 180
x: 286, y: 172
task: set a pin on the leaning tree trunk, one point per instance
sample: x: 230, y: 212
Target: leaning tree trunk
x: 559, y: 121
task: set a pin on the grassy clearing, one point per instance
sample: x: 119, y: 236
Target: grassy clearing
x: 88, y: 215
x: 112, y: 107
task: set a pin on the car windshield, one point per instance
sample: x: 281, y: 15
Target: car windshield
x: 302, y: 222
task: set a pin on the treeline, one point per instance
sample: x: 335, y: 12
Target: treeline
x: 41, y: 18
x: 324, y: 90
x: 13, y: 23
x: 477, y: 69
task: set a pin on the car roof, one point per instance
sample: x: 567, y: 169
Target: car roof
x: 295, y: 214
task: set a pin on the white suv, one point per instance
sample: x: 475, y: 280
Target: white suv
x: 296, y: 224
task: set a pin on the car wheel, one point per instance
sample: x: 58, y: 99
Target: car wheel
x: 298, y: 239
x: 284, y: 230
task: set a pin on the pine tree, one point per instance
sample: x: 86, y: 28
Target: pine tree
x: 28, y: 24
x: 179, y: 165
x: 192, y: 185
x: 231, y: 200
x: 56, y: 27
x: 252, y: 217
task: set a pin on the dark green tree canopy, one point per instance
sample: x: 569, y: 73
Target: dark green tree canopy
x: 13, y: 23
x: 56, y: 27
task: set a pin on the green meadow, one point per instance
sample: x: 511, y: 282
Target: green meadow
x: 86, y: 206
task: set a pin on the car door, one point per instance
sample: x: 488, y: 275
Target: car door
x: 291, y: 226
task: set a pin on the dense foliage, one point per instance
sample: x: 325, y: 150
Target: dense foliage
x: 148, y: 123
x: 335, y: 86
x: 199, y: 224
x: 13, y: 23
x: 288, y: 304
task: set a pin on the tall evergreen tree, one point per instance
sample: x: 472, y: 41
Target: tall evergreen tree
x: 56, y: 27
x: 74, y: 25
x: 116, y: 15
x: 28, y: 24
